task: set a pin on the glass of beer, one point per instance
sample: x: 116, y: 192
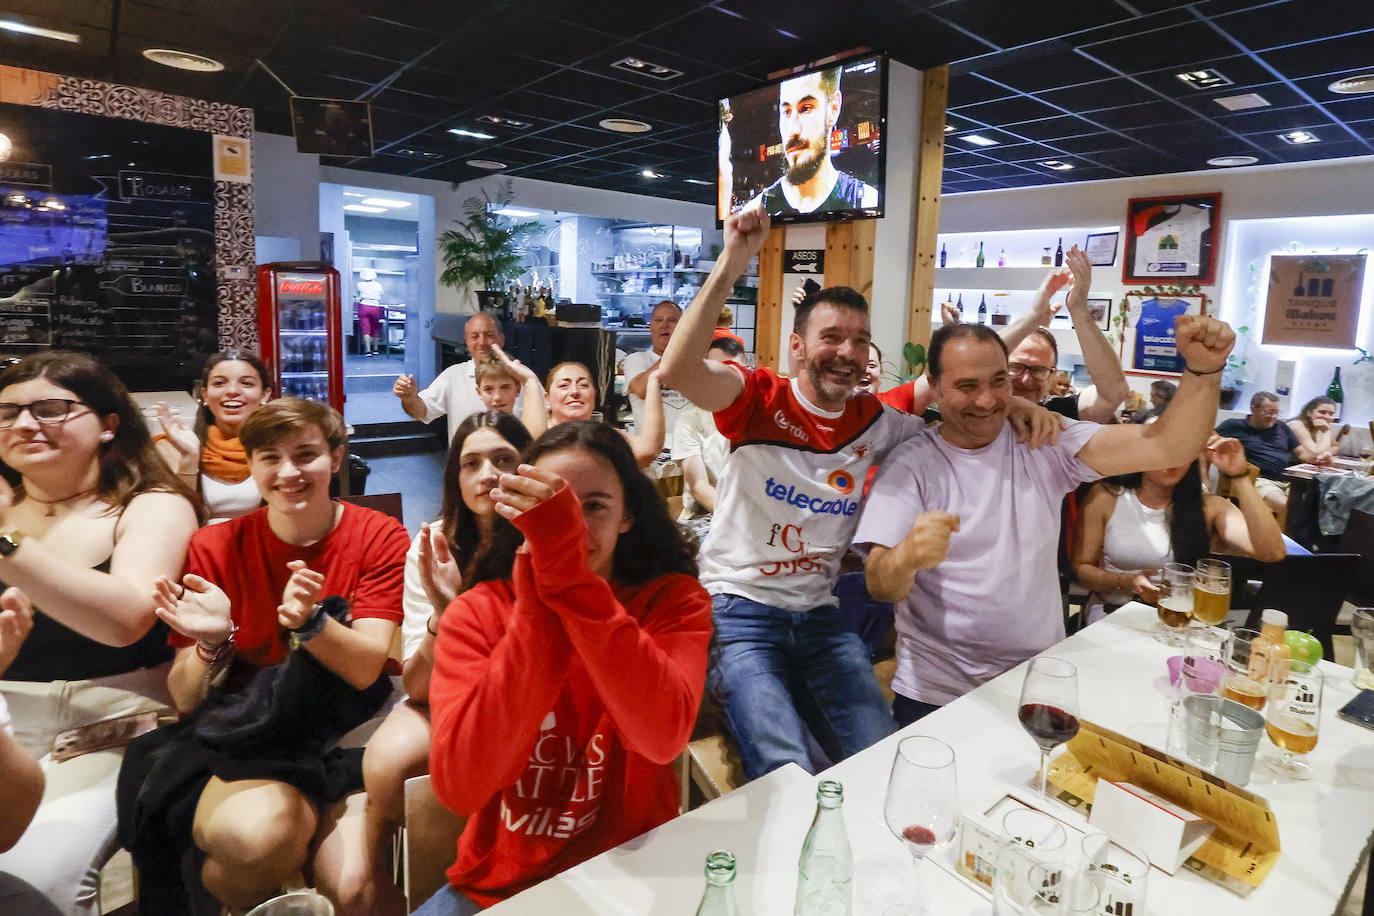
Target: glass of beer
x: 1237, y: 684
x: 1295, y: 709
x: 1211, y: 591
x: 1175, y: 605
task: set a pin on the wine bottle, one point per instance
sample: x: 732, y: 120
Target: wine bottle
x: 942, y: 255
x: 1335, y: 392
x: 983, y: 310
x: 1002, y: 258
x: 1059, y: 253
x: 719, y: 898
x: 978, y: 262
x: 959, y: 306
x: 826, y: 870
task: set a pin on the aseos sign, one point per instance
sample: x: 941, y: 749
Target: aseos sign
x: 300, y: 286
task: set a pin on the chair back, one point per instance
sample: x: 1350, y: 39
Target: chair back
x: 1359, y: 539
x: 386, y: 503
x: 1310, y: 590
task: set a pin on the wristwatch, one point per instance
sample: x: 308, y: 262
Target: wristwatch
x: 10, y: 541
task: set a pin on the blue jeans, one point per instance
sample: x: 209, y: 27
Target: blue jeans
x: 448, y: 902
x: 777, y: 672
x: 906, y: 710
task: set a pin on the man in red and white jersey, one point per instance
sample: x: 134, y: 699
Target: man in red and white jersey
x: 786, y: 508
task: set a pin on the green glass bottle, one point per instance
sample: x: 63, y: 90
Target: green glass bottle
x: 825, y: 882
x: 719, y: 898
x: 979, y: 261
x: 1335, y: 392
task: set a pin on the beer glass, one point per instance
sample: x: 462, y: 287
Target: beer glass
x: 1211, y: 591
x: 1175, y: 605
x: 1293, y: 717
x: 1237, y: 684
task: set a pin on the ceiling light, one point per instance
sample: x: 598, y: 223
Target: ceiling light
x: 52, y: 203
x: 646, y: 68
x: 650, y: 173
x: 491, y: 165
x: 697, y: 181
x: 359, y: 208
x: 1242, y: 102
x: 978, y: 140
x: 23, y: 28
x: 499, y: 121
x: 385, y: 202
x: 17, y: 199
x: 626, y: 125
x: 1203, y: 79
x: 1056, y: 165
x: 1353, y: 85
x: 353, y: 194
x: 950, y: 128
x: 516, y: 213
x: 1299, y: 137
x: 474, y: 134
x: 1228, y: 161
x: 418, y: 153
x: 183, y: 60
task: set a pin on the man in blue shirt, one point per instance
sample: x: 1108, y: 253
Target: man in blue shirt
x: 1269, y: 445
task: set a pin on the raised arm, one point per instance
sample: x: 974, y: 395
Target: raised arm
x: 709, y: 384
x: 1181, y: 431
x: 1248, y: 527
x: 114, y: 608
x: 179, y: 446
x: 1040, y: 311
x: 1099, y: 401
x: 408, y: 391
x: 646, y: 443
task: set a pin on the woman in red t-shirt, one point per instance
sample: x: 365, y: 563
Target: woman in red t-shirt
x: 567, y: 679
x: 251, y: 590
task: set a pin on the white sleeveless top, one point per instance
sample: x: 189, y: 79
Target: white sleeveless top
x: 224, y: 501
x: 1137, y: 540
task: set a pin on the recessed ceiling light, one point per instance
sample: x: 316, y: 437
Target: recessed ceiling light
x: 385, y: 202
x: 626, y: 125
x: 1299, y: 137
x: 697, y: 181
x: 52, y: 203
x: 500, y: 121
x: 1353, y: 85
x: 353, y: 194
x: 1227, y: 161
x: 650, y: 173
x: 23, y: 28
x: 491, y: 165
x: 516, y: 212
x: 646, y: 68
x: 950, y: 128
x: 1242, y: 102
x: 418, y: 153
x: 183, y: 60
x: 1203, y: 79
x: 474, y: 134
x: 1056, y: 165
x: 359, y: 208
x: 978, y: 140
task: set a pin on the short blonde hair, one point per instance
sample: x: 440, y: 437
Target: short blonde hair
x: 276, y: 420
x: 726, y: 317
x: 493, y: 369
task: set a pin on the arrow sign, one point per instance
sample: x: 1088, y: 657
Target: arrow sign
x: 804, y: 261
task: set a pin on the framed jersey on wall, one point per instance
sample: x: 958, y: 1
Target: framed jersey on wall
x: 1171, y: 237
x: 1147, y: 338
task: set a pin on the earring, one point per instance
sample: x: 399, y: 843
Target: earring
x: 106, y: 437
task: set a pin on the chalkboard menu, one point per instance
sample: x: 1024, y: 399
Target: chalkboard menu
x: 107, y: 243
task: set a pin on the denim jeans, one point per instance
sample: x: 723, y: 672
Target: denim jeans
x: 448, y: 902
x: 777, y: 672
x: 906, y: 710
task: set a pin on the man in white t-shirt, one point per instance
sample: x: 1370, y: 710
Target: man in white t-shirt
x: 700, y: 448
x: 638, y: 365
x: 454, y: 392
x: 785, y: 513
x: 962, y: 522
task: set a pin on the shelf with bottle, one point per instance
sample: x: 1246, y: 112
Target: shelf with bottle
x: 1026, y: 250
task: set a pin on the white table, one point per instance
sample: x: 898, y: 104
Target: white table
x: 1324, y: 825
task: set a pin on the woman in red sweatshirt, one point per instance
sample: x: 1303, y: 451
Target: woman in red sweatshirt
x: 567, y: 680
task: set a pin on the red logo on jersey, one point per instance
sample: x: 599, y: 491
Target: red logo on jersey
x: 860, y: 451
x: 842, y: 481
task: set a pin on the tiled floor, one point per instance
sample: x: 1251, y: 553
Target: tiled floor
x: 373, y: 407
x: 418, y: 478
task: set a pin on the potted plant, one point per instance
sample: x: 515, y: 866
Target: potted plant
x: 914, y: 358
x: 486, y: 245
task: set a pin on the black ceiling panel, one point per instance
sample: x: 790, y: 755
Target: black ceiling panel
x: 1092, y: 143
x: 1293, y: 22
x: 1061, y: 68
x: 1139, y: 115
x: 1331, y: 55
x: 1274, y: 119
x: 1009, y: 111
x: 1173, y: 47
x: 971, y: 89
x: 1011, y: 24
x: 1111, y: 93
x: 1240, y: 70
x: 1054, y: 128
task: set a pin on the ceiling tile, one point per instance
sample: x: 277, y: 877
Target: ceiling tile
x: 1110, y: 93
x: 1011, y: 24
x: 1053, y: 128
x: 1009, y: 111
x: 1292, y: 22
x: 1047, y: 71
x: 1182, y: 45
x: 1332, y: 55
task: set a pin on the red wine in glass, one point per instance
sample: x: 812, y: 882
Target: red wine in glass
x: 920, y: 840
x: 1049, y: 725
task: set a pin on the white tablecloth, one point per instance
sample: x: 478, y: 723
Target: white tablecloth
x: 1324, y: 825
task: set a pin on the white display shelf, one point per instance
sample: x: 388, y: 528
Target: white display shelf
x: 991, y: 277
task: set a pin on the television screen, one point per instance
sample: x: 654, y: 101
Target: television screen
x: 807, y: 147
x: 332, y: 127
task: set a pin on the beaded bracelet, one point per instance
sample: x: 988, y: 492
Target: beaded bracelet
x: 313, y: 626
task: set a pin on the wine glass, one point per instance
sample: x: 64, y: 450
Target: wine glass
x: 1292, y: 717
x: 1049, y: 708
x: 922, y: 806
x: 1175, y: 602
x: 1211, y: 591
x: 1029, y: 838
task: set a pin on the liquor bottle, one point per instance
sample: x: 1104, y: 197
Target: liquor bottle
x: 959, y: 306
x: 1269, y: 651
x: 826, y: 871
x: 983, y: 310
x: 1002, y: 258
x: 1045, y: 257
x: 978, y: 262
x: 942, y: 255
x: 1059, y: 253
x: 719, y: 898
x: 1335, y: 392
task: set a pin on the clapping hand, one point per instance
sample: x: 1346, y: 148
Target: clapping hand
x: 194, y: 607
x: 182, y: 437
x: 1082, y: 270
x: 1054, y: 281
x: 520, y: 492
x: 439, y: 573
x: 16, y: 620
x: 300, y: 596
x: 1203, y: 343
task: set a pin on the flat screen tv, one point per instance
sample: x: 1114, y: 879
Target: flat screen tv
x: 809, y: 146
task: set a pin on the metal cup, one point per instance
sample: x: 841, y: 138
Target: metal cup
x: 1237, y: 741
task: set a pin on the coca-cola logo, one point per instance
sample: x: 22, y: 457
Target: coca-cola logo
x: 315, y: 287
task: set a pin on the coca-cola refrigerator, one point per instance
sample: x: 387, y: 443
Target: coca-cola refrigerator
x: 299, y: 327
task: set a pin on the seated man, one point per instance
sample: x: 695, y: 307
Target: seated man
x: 701, y: 450
x: 786, y: 506
x: 1269, y: 445
x: 962, y: 522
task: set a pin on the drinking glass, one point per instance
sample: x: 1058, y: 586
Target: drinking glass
x: 922, y: 806
x: 1209, y: 642
x: 296, y: 903
x: 1049, y: 708
x: 1175, y: 603
x: 1293, y: 718
x: 1029, y: 838
x: 1362, y: 629
x: 1118, y: 871
x: 1211, y: 591
x: 1060, y: 890
x: 1237, y: 684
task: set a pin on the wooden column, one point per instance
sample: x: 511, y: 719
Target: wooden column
x: 849, y: 255
x: 769, y: 311
x: 929, y: 166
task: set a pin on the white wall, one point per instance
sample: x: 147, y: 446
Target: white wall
x: 286, y: 194
x: 892, y: 243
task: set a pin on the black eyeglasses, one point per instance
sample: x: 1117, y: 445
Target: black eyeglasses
x: 1039, y: 373
x: 48, y: 411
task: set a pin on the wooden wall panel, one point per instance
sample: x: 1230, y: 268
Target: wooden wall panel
x: 930, y: 165
x: 768, y: 316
